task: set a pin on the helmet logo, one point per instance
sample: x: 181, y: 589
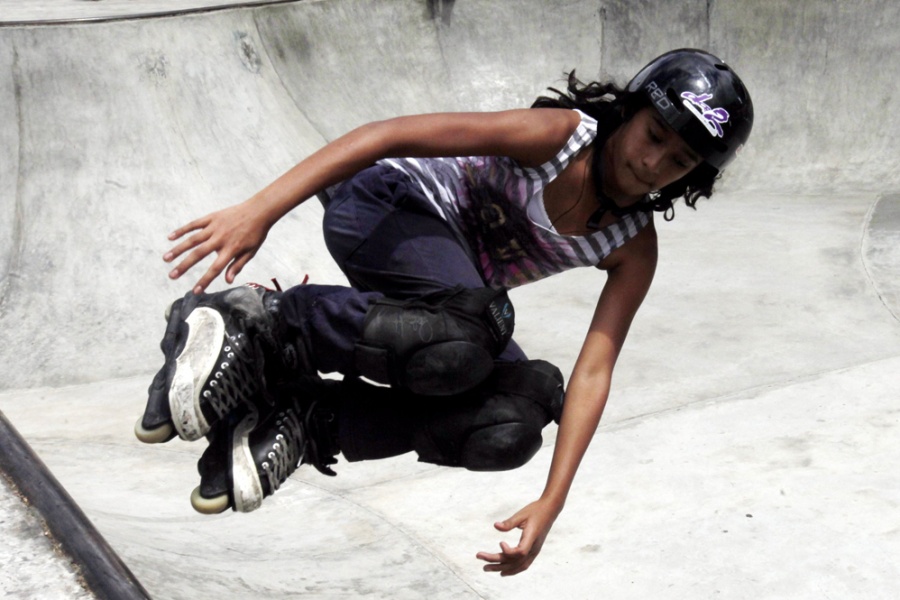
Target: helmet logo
x: 658, y: 96
x: 712, y: 118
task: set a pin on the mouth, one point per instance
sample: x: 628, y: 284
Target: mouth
x: 637, y: 176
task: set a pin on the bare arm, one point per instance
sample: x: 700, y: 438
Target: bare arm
x: 235, y: 234
x: 631, y: 270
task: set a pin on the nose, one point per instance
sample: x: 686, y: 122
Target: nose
x: 653, y: 159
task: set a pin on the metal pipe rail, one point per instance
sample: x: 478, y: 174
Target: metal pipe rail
x: 103, y: 571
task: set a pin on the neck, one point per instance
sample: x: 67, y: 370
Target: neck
x: 607, y: 193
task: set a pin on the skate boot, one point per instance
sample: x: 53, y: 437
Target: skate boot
x: 216, y: 349
x: 249, y: 457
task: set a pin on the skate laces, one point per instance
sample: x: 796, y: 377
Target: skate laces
x: 274, y: 280
x: 286, y: 449
x: 236, y: 378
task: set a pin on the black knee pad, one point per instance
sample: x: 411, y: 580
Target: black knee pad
x: 438, y: 345
x: 501, y: 447
x: 539, y: 380
x: 497, y: 426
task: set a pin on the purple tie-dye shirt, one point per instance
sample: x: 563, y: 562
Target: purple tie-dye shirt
x: 496, y: 208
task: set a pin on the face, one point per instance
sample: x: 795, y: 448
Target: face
x: 644, y: 155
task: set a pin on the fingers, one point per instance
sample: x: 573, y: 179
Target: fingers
x: 507, y: 525
x: 183, y: 247
x: 200, y: 251
x: 192, y: 226
x: 233, y: 234
x: 521, y: 557
x: 198, y: 225
x: 208, y: 240
x: 237, y: 265
x: 506, y: 551
x: 510, y: 561
x: 508, y: 570
x: 222, y: 264
x: 515, y: 521
x: 195, y: 257
x: 207, y: 278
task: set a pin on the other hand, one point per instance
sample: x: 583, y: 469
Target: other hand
x: 535, y: 521
x: 235, y: 234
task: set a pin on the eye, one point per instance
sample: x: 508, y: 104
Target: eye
x: 654, y: 136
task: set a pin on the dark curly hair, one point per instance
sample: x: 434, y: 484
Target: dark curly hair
x: 612, y: 106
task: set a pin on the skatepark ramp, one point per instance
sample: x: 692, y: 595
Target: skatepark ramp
x: 747, y: 446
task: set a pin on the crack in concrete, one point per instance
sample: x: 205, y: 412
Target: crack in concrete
x: 440, y: 22
x: 281, y: 82
x: 867, y: 268
x: 601, y: 33
x: 11, y: 272
x: 441, y: 10
x: 345, y: 496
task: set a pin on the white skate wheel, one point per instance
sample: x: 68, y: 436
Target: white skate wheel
x: 208, y: 506
x: 153, y: 436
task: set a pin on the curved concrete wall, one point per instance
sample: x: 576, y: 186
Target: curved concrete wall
x: 119, y: 131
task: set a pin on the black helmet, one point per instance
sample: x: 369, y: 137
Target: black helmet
x: 702, y: 99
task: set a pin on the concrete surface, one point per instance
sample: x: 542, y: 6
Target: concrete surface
x: 30, y: 564
x: 748, y: 450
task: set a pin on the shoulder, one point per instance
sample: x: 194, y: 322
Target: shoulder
x: 549, y: 130
x: 639, y: 253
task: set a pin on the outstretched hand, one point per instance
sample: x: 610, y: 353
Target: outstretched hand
x: 234, y: 234
x: 535, y: 521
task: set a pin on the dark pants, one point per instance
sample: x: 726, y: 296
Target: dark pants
x: 388, y: 240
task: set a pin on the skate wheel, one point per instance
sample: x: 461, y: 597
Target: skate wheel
x: 209, y: 506
x: 161, y: 434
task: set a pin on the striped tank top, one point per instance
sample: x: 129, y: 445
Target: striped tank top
x: 496, y: 209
